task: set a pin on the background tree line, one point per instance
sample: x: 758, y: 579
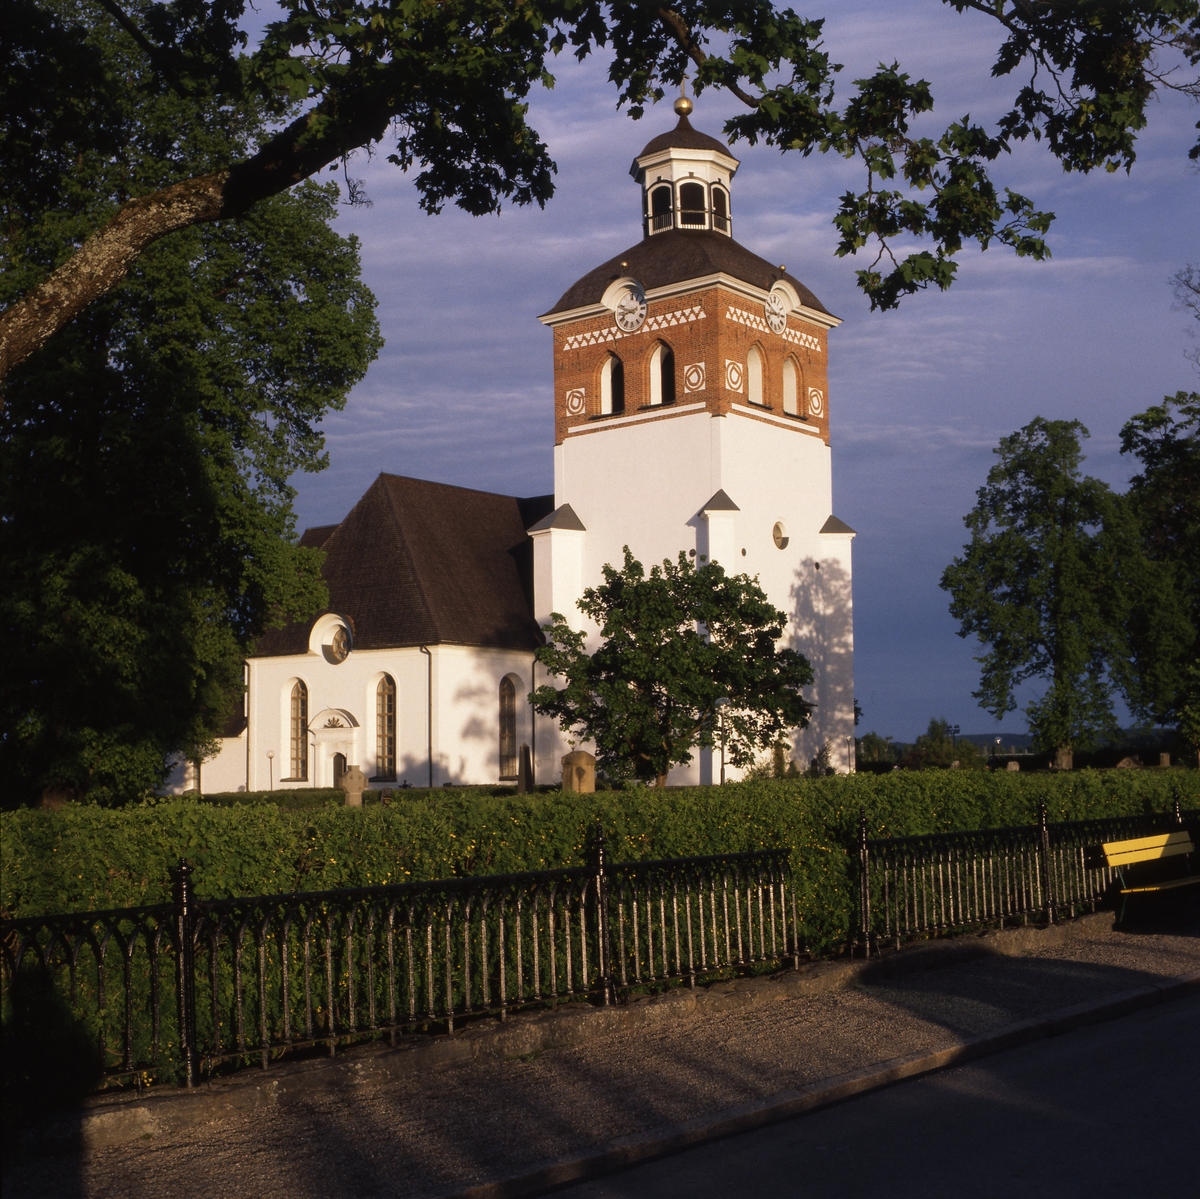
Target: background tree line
x: 1095, y: 592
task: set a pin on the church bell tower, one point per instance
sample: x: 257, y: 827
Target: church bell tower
x: 691, y: 412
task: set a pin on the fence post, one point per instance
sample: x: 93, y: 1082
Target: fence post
x: 1047, y: 874
x: 185, y: 972
x: 864, y: 882
x: 600, y: 880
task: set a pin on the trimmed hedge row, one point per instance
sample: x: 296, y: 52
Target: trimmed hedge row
x: 84, y: 857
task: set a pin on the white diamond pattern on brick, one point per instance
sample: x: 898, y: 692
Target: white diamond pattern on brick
x: 742, y: 317
x: 684, y: 316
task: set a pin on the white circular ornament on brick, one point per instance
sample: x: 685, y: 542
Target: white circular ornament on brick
x: 576, y: 401
x: 631, y: 309
x: 693, y: 377
x: 816, y: 402
x: 733, y: 375
x: 776, y: 311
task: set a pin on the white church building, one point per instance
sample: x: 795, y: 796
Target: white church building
x: 691, y: 405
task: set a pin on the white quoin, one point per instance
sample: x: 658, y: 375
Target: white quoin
x: 719, y: 532
x: 558, y: 543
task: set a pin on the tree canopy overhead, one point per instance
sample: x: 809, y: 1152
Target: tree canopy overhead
x: 442, y: 86
x: 146, y: 528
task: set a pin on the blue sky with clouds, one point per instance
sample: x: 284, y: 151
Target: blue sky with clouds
x: 918, y: 398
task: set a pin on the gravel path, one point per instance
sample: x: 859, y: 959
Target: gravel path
x: 477, y: 1121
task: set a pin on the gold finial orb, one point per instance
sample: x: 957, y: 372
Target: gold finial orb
x: 683, y: 106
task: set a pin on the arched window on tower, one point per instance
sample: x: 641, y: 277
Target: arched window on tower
x: 720, y: 209
x: 662, y: 375
x: 299, y: 733
x: 612, y: 386
x: 754, y: 375
x: 385, y: 729
x: 508, y: 729
x: 791, y: 387
x: 660, y: 209
x: 691, y: 204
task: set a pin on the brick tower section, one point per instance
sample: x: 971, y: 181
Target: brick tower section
x: 710, y: 332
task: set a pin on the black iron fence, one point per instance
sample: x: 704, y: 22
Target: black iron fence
x: 924, y: 886
x: 177, y: 989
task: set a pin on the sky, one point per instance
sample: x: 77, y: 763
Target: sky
x: 918, y: 398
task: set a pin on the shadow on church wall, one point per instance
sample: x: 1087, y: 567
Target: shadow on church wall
x: 821, y: 627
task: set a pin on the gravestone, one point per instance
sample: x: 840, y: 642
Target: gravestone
x: 1012, y: 766
x: 525, y: 771
x: 353, y: 782
x: 1164, y: 760
x: 579, y: 771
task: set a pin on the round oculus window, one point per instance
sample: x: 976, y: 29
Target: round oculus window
x: 779, y: 535
x: 339, y: 646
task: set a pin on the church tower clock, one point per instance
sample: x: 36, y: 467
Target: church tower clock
x: 691, y: 412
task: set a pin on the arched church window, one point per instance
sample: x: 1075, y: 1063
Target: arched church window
x: 662, y: 375
x: 385, y: 729
x: 660, y: 209
x: 720, y: 209
x: 691, y: 204
x: 791, y: 387
x: 612, y: 386
x: 754, y: 376
x: 299, y: 733
x: 508, y: 729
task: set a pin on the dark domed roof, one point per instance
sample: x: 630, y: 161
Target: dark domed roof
x: 684, y: 137
x: 675, y: 256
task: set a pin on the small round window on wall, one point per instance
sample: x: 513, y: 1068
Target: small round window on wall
x: 779, y: 535
x: 339, y: 644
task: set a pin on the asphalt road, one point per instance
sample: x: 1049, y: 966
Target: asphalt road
x: 1111, y: 1110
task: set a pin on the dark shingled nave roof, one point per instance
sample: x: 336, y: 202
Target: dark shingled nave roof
x: 420, y: 563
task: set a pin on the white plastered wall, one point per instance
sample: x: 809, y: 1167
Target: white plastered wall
x: 644, y: 484
x: 466, y: 713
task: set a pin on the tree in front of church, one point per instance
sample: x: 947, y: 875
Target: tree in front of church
x: 688, y: 657
x: 146, y: 527
x: 446, y: 83
x: 1038, y: 585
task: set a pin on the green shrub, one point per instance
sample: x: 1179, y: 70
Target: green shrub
x: 84, y: 857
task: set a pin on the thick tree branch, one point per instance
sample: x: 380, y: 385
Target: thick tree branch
x: 309, y: 143
x: 678, y: 29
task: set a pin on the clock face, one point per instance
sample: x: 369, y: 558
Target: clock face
x: 776, y: 310
x: 631, y: 309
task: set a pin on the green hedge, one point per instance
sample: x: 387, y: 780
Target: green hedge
x: 84, y: 857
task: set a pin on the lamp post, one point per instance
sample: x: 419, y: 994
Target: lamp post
x: 850, y: 753
x: 271, y: 768
x: 954, y: 731
x: 721, y: 705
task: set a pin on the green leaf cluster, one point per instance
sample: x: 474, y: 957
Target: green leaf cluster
x: 146, y: 526
x: 688, y: 656
x: 88, y: 857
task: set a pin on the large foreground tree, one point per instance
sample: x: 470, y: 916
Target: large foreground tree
x: 688, y: 657
x: 146, y: 530
x: 1037, y: 585
x: 442, y: 84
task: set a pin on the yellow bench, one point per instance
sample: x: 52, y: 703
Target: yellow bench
x: 1131, y: 860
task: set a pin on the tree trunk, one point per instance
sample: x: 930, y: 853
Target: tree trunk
x: 105, y: 258
x: 660, y: 780
x: 1064, y: 758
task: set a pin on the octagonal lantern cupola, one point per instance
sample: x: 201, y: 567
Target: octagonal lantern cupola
x: 685, y: 177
